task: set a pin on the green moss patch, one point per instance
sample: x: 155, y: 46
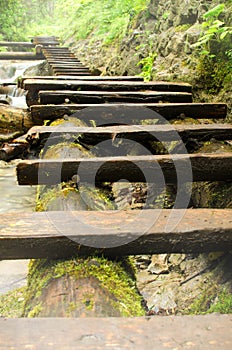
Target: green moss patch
x: 12, y: 303
x: 114, y: 276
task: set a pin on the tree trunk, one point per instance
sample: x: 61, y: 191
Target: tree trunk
x: 81, y: 287
x: 14, y: 119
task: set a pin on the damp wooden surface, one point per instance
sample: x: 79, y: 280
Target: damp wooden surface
x: 126, y: 113
x: 58, y: 234
x: 147, y: 168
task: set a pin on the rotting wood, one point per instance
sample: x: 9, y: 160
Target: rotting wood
x: 138, y: 133
x: 90, y: 292
x: 74, y: 73
x: 57, y: 97
x: 13, y: 118
x: 67, y: 77
x: 204, y: 167
x: 127, y: 113
x: 34, y: 86
x: 200, y: 332
x: 114, y: 233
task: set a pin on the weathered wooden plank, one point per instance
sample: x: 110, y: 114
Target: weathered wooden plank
x: 46, y: 84
x: 69, y: 68
x: 138, y: 133
x: 128, y: 113
x: 60, y: 55
x: 67, y: 77
x: 116, y: 233
x: 73, y: 73
x: 204, y: 167
x: 52, y: 40
x: 63, y: 96
x: 34, y: 86
x: 66, y: 65
x: 200, y: 332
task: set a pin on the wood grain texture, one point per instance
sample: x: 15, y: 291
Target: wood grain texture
x: 128, y: 113
x: 114, y: 233
x: 62, y: 96
x: 151, y: 169
x: 200, y: 332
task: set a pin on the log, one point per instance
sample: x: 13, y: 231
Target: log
x: 203, y: 167
x: 129, y: 113
x: 34, y: 86
x: 17, y: 148
x: 60, y: 234
x: 138, y: 133
x: 79, y: 287
x: 28, y: 56
x: 15, y: 119
x: 57, y: 97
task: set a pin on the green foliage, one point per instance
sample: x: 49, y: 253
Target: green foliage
x: 147, y: 65
x: 104, y: 19
x: 213, y: 30
x: 212, y: 300
x: 12, y: 303
x: 215, y: 48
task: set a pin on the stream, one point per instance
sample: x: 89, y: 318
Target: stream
x: 14, y: 198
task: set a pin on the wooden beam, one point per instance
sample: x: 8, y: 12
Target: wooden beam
x: 126, y: 113
x: 34, y: 86
x: 114, y: 233
x: 204, y: 167
x: 69, y: 68
x: 67, y: 77
x: 62, y: 96
x: 194, y: 332
x: 72, y: 73
x: 137, y: 133
x: 66, y: 65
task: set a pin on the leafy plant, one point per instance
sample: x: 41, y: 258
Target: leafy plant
x: 215, y: 49
x: 212, y: 30
x: 147, y: 64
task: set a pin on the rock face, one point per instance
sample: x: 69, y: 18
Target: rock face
x: 167, y: 28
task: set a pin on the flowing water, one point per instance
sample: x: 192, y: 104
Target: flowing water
x: 13, y: 198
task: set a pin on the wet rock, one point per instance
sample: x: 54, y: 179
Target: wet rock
x: 159, y: 264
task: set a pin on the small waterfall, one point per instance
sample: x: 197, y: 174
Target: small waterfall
x: 10, y: 71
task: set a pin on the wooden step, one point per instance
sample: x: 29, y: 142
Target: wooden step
x: 208, y: 332
x: 73, y: 73
x: 152, y: 168
x: 62, y: 96
x: 69, y: 68
x: 34, y: 86
x: 66, y: 65
x: 66, y: 77
x: 114, y: 233
x: 65, y: 61
x: 127, y: 113
x: 138, y: 133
